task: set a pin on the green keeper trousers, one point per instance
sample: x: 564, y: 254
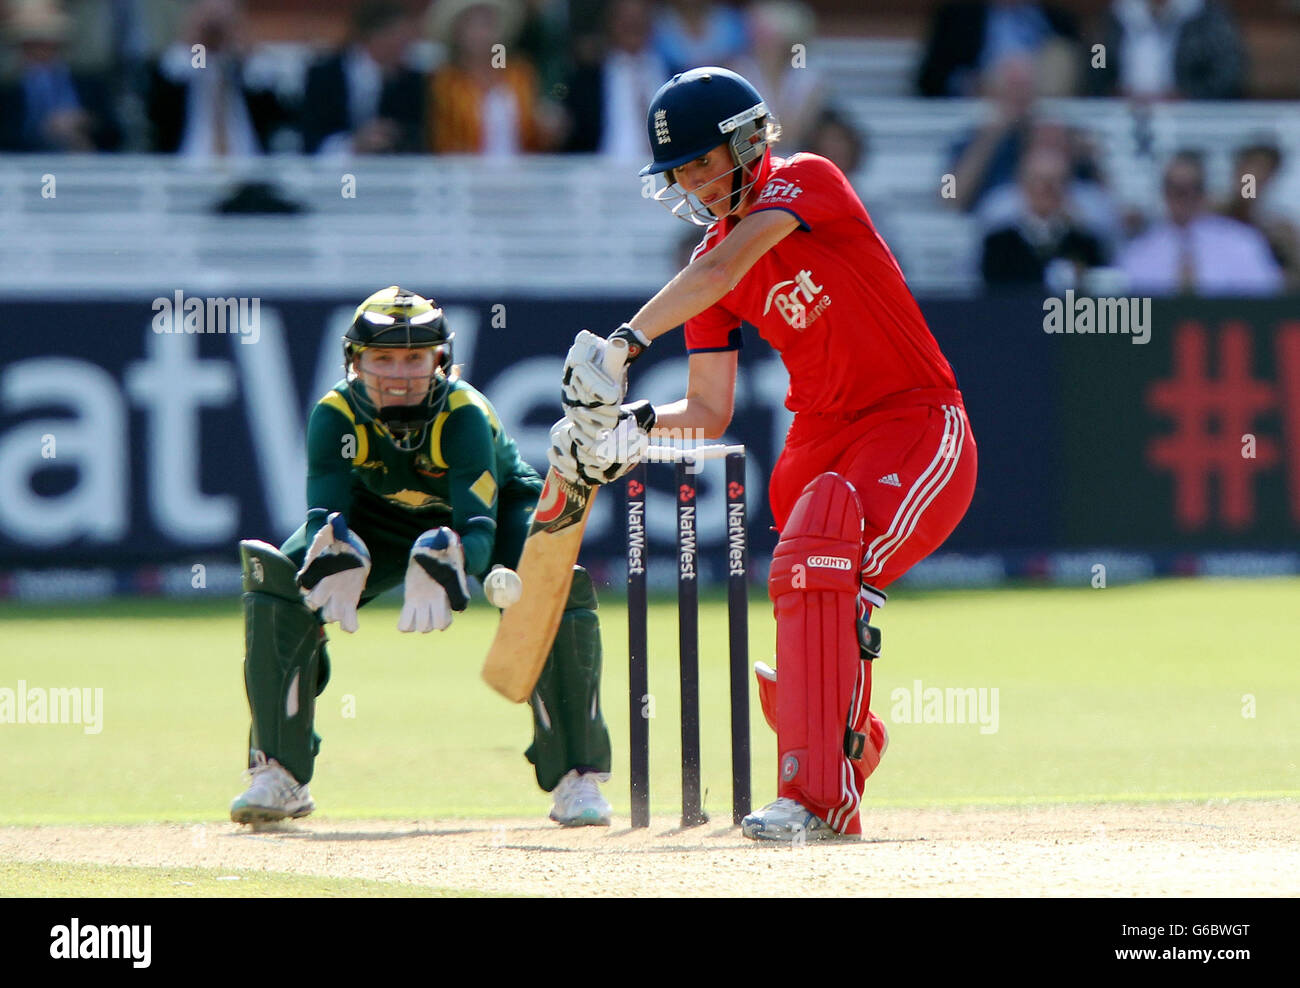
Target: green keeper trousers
x: 569, y: 730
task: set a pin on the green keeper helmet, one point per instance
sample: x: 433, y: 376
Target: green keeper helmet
x: 394, y: 319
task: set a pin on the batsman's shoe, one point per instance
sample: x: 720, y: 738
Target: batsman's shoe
x: 273, y: 794
x: 578, y: 802
x: 787, y: 821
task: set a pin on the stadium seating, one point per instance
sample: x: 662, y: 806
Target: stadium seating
x: 543, y: 225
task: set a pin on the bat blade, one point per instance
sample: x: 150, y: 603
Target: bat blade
x: 527, y: 629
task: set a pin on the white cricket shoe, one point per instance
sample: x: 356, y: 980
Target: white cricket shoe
x: 578, y: 802
x: 273, y: 794
x: 786, y: 820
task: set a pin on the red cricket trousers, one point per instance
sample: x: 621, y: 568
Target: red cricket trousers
x: 912, y: 460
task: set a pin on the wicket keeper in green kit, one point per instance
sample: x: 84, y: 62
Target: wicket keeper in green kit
x: 411, y: 480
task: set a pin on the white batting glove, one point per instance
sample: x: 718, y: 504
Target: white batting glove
x: 615, y: 451
x: 563, y: 452
x: 435, y: 582
x: 624, y: 446
x: 595, y: 378
x: 591, y: 423
x: 334, y: 572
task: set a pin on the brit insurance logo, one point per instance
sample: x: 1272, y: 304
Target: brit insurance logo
x: 661, y: 127
x: 778, y: 189
x: 798, y: 300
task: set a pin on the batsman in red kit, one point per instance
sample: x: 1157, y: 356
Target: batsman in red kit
x: 879, y: 465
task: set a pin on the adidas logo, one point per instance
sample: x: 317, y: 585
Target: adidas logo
x: 891, y: 480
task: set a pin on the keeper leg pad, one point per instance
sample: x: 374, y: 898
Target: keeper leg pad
x: 568, y: 727
x: 814, y: 585
x: 284, y: 659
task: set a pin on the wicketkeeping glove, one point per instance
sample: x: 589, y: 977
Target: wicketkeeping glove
x: 435, y: 582
x: 334, y: 572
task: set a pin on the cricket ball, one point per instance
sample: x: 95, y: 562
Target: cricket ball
x: 502, y: 587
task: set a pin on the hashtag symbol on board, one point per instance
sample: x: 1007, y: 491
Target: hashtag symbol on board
x: 1210, y: 414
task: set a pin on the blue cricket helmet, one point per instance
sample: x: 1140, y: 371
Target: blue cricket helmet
x: 693, y: 113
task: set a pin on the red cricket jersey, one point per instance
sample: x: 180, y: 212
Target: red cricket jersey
x: 829, y: 297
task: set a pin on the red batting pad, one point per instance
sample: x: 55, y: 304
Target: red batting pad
x: 814, y: 585
x: 766, y: 693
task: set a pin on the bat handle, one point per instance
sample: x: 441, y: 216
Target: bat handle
x: 616, y: 354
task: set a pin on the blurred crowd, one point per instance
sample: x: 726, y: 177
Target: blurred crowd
x: 492, y: 77
x: 1140, y: 49
x: 506, y: 77
x: 1036, y: 187
x: 1054, y: 223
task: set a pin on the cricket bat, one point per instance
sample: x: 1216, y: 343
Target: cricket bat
x: 527, y: 629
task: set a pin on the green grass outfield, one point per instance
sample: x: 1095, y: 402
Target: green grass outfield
x: 1166, y: 690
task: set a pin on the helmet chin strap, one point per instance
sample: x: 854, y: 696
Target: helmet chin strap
x: 688, y: 206
x: 409, y: 424
x: 739, y: 177
x: 406, y: 424
x: 403, y: 418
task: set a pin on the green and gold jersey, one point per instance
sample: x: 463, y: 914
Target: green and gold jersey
x: 455, y: 478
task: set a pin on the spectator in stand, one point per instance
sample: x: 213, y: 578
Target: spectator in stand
x: 836, y: 139
x: 363, y: 99
x: 1253, y: 201
x: 1170, y: 49
x: 199, y: 104
x: 118, y: 40
x: 483, y: 99
x: 1195, y: 251
x: 793, y: 92
x: 118, y: 37
x: 990, y: 156
x: 692, y: 33
x: 1087, y: 199
x: 1043, y: 246
x: 607, y: 96
x: 545, y: 39
x: 48, y: 107
x: 969, y: 41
